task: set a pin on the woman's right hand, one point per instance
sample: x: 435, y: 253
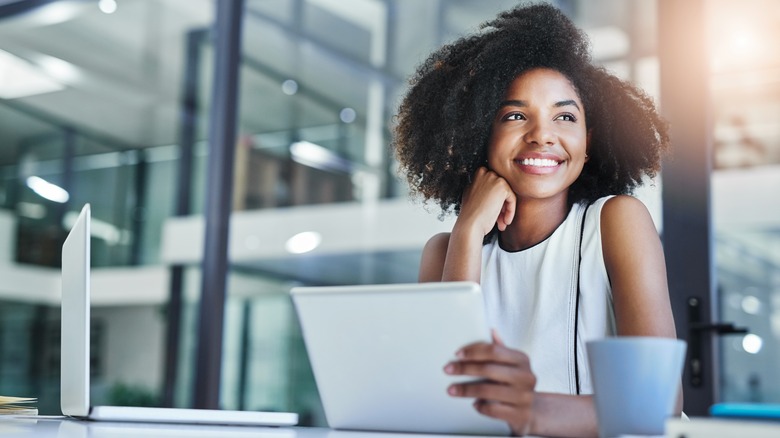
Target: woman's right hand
x: 505, y: 384
x: 489, y: 201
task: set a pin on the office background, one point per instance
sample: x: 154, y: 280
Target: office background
x: 109, y: 102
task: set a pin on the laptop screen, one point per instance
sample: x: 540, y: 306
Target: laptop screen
x: 74, y: 350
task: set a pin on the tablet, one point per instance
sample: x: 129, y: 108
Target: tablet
x: 378, y: 354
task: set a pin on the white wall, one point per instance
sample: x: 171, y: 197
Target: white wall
x: 134, y: 345
x: 391, y: 225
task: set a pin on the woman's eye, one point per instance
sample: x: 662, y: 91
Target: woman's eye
x: 514, y: 116
x: 567, y: 118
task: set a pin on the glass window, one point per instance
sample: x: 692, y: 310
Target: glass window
x: 745, y: 92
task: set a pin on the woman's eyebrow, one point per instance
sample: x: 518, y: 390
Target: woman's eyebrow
x: 514, y: 102
x: 523, y: 103
x: 567, y: 103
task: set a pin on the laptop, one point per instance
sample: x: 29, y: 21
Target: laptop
x: 75, y: 382
x: 378, y: 354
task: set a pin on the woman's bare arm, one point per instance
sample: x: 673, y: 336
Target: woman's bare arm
x: 457, y: 256
x: 637, y: 270
x: 635, y: 264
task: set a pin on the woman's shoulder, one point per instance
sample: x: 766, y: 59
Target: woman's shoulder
x: 438, y: 242
x: 433, y: 257
x: 615, y: 213
x: 624, y: 216
x: 622, y: 208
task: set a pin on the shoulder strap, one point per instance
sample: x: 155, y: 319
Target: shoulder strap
x: 577, y: 299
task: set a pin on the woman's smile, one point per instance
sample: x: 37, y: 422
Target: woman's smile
x: 538, y: 164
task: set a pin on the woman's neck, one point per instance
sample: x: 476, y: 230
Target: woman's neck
x: 534, y: 221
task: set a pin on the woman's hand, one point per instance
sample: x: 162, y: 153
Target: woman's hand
x: 488, y: 201
x: 505, y: 389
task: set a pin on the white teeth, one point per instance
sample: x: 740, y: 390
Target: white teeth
x: 538, y: 162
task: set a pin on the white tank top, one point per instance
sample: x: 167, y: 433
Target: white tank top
x: 530, y: 298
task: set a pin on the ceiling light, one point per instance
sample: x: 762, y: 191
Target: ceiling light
x: 107, y: 6
x: 54, y: 13
x: 59, y: 69
x: 20, y: 78
x: 314, y: 155
x: 47, y: 190
x: 303, y: 242
x: 289, y: 87
x: 347, y: 115
x: 751, y: 305
x: 752, y: 343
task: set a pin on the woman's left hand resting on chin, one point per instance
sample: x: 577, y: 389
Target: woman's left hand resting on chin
x: 505, y: 389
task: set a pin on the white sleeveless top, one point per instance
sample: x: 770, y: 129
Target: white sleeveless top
x: 530, y: 298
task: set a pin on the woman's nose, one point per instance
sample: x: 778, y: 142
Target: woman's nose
x: 540, y: 132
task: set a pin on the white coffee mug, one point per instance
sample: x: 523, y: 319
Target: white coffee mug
x: 636, y: 381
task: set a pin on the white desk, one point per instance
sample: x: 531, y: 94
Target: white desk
x: 66, y: 428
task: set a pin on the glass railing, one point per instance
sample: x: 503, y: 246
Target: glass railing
x: 132, y: 191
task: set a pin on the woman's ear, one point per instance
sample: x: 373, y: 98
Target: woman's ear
x: 587, y: 146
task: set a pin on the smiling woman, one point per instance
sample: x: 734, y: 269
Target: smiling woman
x: 516, y: 131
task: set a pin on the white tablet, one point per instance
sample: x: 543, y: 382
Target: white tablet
x: 378, y: 354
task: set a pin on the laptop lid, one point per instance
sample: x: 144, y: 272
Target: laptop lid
x: 378, y: 354
x: 74, y: 350
x: 74, y: 355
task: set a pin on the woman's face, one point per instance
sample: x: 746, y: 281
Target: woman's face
x: 539, y: 139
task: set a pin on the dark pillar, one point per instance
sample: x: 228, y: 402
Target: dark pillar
x: 219, y: 187
x: 138, y: 215
x: 188, y: 129
x: 687, y: 230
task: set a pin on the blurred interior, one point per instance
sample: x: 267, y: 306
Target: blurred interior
x: 92, y: 97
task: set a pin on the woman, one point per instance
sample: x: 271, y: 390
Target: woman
x: 536, y: 150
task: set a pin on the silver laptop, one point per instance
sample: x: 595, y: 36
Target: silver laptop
x: 378, y: 354
x: 75, y: 353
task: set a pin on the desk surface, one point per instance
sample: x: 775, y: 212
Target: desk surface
x: 67, y: 428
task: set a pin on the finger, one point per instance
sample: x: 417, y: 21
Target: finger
x: 497, y: 373
x: 486, y: 391
x: 510, y: 205
x: 496, y: 339
x: 512, y: 390
x: 500, y: 223
x: 484, y: 370
x: 481, y: 171
x: 519, y: 419
x: 492, y: 352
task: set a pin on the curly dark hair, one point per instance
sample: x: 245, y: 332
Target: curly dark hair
x: 444, y: 122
